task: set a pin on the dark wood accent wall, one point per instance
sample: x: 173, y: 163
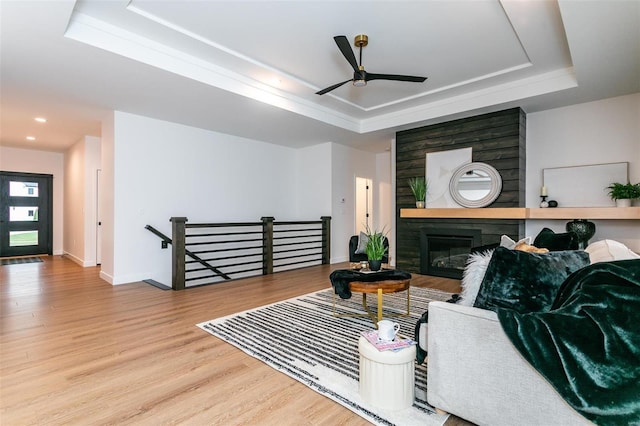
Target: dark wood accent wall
x: 498, y: 139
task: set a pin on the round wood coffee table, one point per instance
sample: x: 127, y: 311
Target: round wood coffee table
x: 379, y: 288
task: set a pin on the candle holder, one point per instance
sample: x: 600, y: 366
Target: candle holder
x: 544, y: 204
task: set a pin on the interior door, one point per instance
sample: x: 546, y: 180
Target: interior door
x: 26, y: 221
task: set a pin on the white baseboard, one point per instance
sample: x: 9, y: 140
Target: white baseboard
x: 124, y: 279
x: 108, y: 278
x: 76, y: 259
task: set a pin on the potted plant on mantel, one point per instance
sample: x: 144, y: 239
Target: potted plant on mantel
x: 418, y: 186
x: 623, y: 193
x: 375, y: 249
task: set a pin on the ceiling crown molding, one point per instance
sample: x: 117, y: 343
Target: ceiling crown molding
x: 98, y: 33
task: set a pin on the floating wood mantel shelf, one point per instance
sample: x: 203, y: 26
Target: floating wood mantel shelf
x: 616, y: 213
x: 462, y: 213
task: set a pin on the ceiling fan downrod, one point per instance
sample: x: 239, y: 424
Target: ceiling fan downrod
x: 360, y: 41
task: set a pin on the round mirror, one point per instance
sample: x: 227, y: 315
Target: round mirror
x: 475, y: 185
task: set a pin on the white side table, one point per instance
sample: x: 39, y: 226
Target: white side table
x: 387, y: 377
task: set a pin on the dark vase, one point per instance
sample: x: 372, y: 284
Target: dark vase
x: 375, y: 265
x: 583, y: 229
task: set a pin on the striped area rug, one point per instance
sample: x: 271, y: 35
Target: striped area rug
x: 301, y: 338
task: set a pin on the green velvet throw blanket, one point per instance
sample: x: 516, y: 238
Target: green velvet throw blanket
x: 588, y: 345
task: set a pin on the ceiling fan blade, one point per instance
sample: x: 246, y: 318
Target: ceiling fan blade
x: 330, y: 88
x: 396, y: 77
x: 345, y: 48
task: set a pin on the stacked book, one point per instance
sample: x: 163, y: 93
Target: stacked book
x: 382, y: 345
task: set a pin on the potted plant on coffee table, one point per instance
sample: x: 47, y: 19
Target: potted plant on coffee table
x: 418, y: 186
x: 375, y: 249
x: 623, y: 193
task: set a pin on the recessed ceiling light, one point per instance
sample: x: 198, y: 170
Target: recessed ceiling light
x: 31, y: 138
x: 41, y: 119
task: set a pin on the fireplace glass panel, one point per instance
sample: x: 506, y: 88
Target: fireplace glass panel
x: 450, y: 253
x: 444, y: 253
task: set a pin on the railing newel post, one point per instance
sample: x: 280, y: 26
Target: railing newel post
x: 326, y: 239
x: 178, y: 252
x: 267, y: 238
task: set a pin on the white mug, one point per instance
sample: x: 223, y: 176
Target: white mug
x: 387, y: 330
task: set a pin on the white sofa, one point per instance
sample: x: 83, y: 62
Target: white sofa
x: 474, y: 372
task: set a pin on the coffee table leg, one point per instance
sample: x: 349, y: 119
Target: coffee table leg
x: 371, y: 315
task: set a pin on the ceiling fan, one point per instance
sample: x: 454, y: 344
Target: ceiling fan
x: 360, y: 76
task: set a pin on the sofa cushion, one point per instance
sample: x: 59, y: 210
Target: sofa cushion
x: 476, y: 267
x: 526, y: 282
x: 556, y: 242
x: 609, y: 250
x: 506, y: 241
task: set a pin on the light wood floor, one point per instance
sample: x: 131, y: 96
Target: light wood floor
x: 76, y: 350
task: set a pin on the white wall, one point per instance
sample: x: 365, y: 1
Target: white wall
x: 313, y: 181
x: 52, y: 163
x: 604, y: 131
x: 153, y: 170
x: 74, y: 214
x: 92, y: 163
x: 161, y: 169
x: 81, y: 162
x: 107, y: 212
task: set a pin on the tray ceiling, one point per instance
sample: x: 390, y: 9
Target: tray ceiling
x: 233, y: 54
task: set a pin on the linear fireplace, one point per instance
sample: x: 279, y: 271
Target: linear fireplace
x: 444, y: 252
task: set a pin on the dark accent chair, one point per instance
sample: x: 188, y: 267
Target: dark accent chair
x: 357, y: 257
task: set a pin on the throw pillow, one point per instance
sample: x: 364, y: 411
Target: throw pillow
x: 472, y: 276
x: 506, y: 241
x: 609, y: 250
x: 477, y: 263
x: 362, y: 243
x: 532, y: 249
x: 526, y: 282
x: 556, y: 242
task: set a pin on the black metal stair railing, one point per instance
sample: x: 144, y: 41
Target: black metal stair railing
x: 192, y: 255
x: 209, y: 253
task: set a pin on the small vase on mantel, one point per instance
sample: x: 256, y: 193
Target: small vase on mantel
x: 583, y: 229
x: 623, y: 202
x: 420, y: 204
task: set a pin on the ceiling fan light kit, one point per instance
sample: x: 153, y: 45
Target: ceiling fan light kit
x: 360, y: 76
x: 360, y: 83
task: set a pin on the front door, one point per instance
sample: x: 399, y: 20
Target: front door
x: 26, y: 221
